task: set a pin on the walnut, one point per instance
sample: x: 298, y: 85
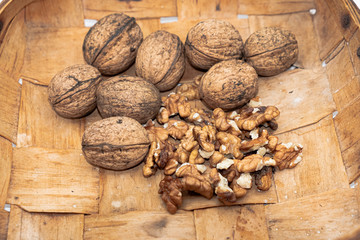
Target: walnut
x: 224, y: 163
x: 205, y: 154
x: 287, y: 155
x: 128, y: 96
x: 183, y: 154
x: 150, y: 168
x: 250, y: 118
x: 232, y: 115
x: 160, y: 60
x: 253, y: 163
x: 189, y: 90
x: 255, y: 144
x: 166, y: 153
x: 238, y: 190
x: 235, y: 130
x: 111, y: 44
x: 176, y: 128
x: 187, y: 144
x: 195, y: 158
x: 174, y: 104
x: 171, y: 167
x: 171, y: 189
x: 199, y: 117
x: 216, y: 158
x: 156, y: 134
x: 206, y: 137
x: 163, y: 115
x: 212, y: 176
x: 271, y: 50
x: 273, y: 141
x: 212, y: 41
x: 229, y: 84
x: 244, y: 180
x: 72, y: 92
x: 158, y: 138
x: 230, y: 173
x: 116, y: 143
x: 230, y: 144
x: 263, y: 179
x: 192, y: 180
x: 224, y: 193
x: 221, y: 122
x: 225, y: 122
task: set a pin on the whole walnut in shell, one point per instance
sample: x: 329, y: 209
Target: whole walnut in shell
x: 271, y: 50
x: 111, y: 44
x: 212, y: 41
x: 116, y: 143
x: 128, y: 96
x: 229, y: 84
x: 160, y: 60
x: 72, y: 91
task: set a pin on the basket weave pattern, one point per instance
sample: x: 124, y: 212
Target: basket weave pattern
x: 55, y: 194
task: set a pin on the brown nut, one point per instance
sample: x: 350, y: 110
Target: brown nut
x: 128, y: 96
x: 176, y: 128
x: 271, y: 50
x: 111, y: 44
x: 189, y: 90
x: 287, y: 155
x: 161, y: 60
x: 116, y: 143
x: 72, y: 91
x: 171, y: 188
x: 229, y: 84
x: 212, y: 41
x: 263, y: 179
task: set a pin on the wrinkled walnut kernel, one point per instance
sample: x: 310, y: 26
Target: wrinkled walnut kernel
x: 287, y: 155
x: 263, y: 179
x: 250, y: 118
x: 171, y: 188
x: 189, y: 90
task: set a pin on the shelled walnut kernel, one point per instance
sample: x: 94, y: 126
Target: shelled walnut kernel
x: 216, y: 152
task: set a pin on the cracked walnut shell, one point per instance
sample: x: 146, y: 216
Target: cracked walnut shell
x: 161, y: 60
x: 111, y: 44
x: 212, y: 41
x: 72, y: 91
x: 128, y: 96
x: 116, y: 143
x: 229, y: 85
x: 271, y: 50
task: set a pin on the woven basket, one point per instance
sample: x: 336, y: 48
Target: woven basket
x: 54, y: 194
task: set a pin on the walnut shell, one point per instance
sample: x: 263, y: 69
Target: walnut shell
x: 116, y: 143
x: 161, y: 60
x: 229, y: 84
x: 111, y: 44
x: 212, y: 41
x: 128, y: 96
x: 271, y: 50
x: 72, y: 91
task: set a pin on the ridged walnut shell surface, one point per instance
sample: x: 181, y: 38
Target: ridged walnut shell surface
x: 111, y: 44
x: 160, y: 60
x: 72, y: 91
x: 271, y: 50
x: 128, y: 96
x: 228, y: 84
x: 212, y: 41
x: 116, y: 143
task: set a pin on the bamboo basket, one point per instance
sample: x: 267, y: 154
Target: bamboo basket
x: 54, y: 194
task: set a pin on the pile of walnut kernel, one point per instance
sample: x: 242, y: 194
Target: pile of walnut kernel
x: 214, y: 152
